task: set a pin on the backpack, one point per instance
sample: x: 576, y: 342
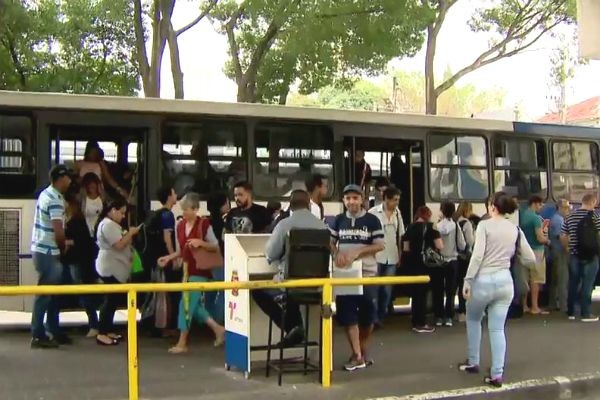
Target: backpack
x: 464, y: 255
x: 587, y: 237
x: 149, y: 242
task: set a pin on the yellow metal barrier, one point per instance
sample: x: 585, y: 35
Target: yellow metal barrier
x: 134, y: 288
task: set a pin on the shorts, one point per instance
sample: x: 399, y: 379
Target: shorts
x: 357, y: 309
x: 537, y: 274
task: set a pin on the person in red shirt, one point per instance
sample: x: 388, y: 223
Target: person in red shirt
x: 193, y: 232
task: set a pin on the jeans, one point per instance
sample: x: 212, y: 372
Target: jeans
x: 88, y: 301
x: 560, y: 279
x: 384, y: 292
x: 418, y: 295
x: 266, y: 300
x: 109, y: 307
x: 443, y: 285
x: 581, y: 273
x: 50, y: 272
x: 494, y: 292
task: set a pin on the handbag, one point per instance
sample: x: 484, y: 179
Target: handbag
x: 206, y: 260
x: 431, y: 257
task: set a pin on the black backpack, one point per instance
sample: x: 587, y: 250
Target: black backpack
x: 587, y: 237
x: 149, y: 242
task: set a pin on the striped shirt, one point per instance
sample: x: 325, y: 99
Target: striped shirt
x: 569, y: 227
x: 351, y: 232
x: 50, y: 207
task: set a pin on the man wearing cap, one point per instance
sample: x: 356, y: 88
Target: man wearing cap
x: 47, y: 242
x: 357, y: 234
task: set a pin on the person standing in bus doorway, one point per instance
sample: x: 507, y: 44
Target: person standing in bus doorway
x: 463, y: 217
x: 247, y: 217
x: 558, y: 258
x: 47, y: 243
x: 388, y: 260
x: 355, y: 235
x: 316, y: 186
x: 381, y: 184
x: 531, y: 225
x: 91, y: 200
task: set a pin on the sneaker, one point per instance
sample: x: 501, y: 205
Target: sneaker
x: 462, y: 318
x: 439, y: 322
x: 448, y: 322
x: 44, y: 343
x: 495, y: 382
x: 355, y: 364
x: 62, y: 339
x: 468, y: 368
x: 423, y: 329
x: 589, y: 318
x: 571, y: 317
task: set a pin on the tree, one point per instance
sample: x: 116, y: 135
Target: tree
x: 76, y: 46
x: 274, y: 44
x: 514, y: 26
x: 155, y: 16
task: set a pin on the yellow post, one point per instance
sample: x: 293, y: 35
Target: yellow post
x: 327, y: 339
x: 132, y: 345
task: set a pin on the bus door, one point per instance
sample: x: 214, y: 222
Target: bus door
x: 397, y: 160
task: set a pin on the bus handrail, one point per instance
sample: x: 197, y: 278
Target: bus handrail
x: 132, y: 289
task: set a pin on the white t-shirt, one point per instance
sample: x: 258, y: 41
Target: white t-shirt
x: 93, y: 208
x: 315, y: 210
x: 110, y: 261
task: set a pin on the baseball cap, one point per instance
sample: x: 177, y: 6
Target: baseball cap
x: 352, y: 188
x: 58, y: 171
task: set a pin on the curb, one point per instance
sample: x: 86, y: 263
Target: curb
x: 557, y: 387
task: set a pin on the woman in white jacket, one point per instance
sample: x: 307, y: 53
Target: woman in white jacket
x: 489, y: 284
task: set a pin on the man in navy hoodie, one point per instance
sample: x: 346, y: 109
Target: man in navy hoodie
x: 357, y: 234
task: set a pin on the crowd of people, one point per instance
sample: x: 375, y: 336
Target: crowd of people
x: 495, y: 267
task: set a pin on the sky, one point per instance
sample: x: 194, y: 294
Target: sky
x: 523, y: 77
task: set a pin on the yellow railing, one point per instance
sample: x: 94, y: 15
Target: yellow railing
x: 133, y: 289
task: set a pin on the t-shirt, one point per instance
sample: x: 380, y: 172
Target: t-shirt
x: 167, y: 223
x: 414, y: 237
x: 529, y: 221
x: 570, y: 225
x: 110, y: 261
x: 93, y: 208
x: 255, y: 219
x: 351, y: 232
x: 50, y: 207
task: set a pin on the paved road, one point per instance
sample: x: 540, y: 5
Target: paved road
x: 406, y: 363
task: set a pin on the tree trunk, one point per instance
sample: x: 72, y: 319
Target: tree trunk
x: 430, y: 92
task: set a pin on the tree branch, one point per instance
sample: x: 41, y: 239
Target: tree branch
x: 198, y: 18
x: 15, y: 59
x: 234, y: 48
x: 140, y: 40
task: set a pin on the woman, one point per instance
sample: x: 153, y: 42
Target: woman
x: 93, y: 162
x: 91, y: 201
x: 113, y: 263
x: 489, y: 285
x: 218, y: 206
x: 418, y: 236
x: 79, y: 258
x: 190, y: 236
x: 443, y: 279
x: 463, y: 218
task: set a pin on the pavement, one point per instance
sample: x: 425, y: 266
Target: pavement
x: 547, y: 355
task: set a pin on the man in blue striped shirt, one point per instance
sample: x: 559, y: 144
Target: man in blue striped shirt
x: 47, y: 242
x: 357, y: 234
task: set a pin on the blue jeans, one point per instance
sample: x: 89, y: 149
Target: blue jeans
x: 384, y: 292
x: 89, y: 302
x: 49, y: 269
x: 494, y: 292
x: 581, y: 274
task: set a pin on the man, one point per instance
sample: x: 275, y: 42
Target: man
x: 531, y: 225
x: 389, y: 259
x: 316, y: 186
x: 269, y: 300
x: 582, y: 268
x: 47, y: 243
x: 357, y: 234
x: 247, y: 217
x: 559, y: 257
x: 381, y: 184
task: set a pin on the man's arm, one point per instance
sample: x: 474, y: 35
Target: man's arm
x: 59, y: 233
x: 275, y: 247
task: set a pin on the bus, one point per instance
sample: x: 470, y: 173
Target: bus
x: 208, y: 146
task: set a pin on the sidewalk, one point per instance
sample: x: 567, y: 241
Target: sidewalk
x: 405, y: 364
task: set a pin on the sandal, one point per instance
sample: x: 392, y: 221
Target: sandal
x: 178, y: 350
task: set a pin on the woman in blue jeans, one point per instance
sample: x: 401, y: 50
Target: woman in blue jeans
x: 489, y: 285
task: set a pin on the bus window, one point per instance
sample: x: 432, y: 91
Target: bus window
x: 286, y: 155
x: 203, y: 156
x: 17, y: 161
x: 520, y: 167
x: 575, y: 170
x: 458, y: 167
